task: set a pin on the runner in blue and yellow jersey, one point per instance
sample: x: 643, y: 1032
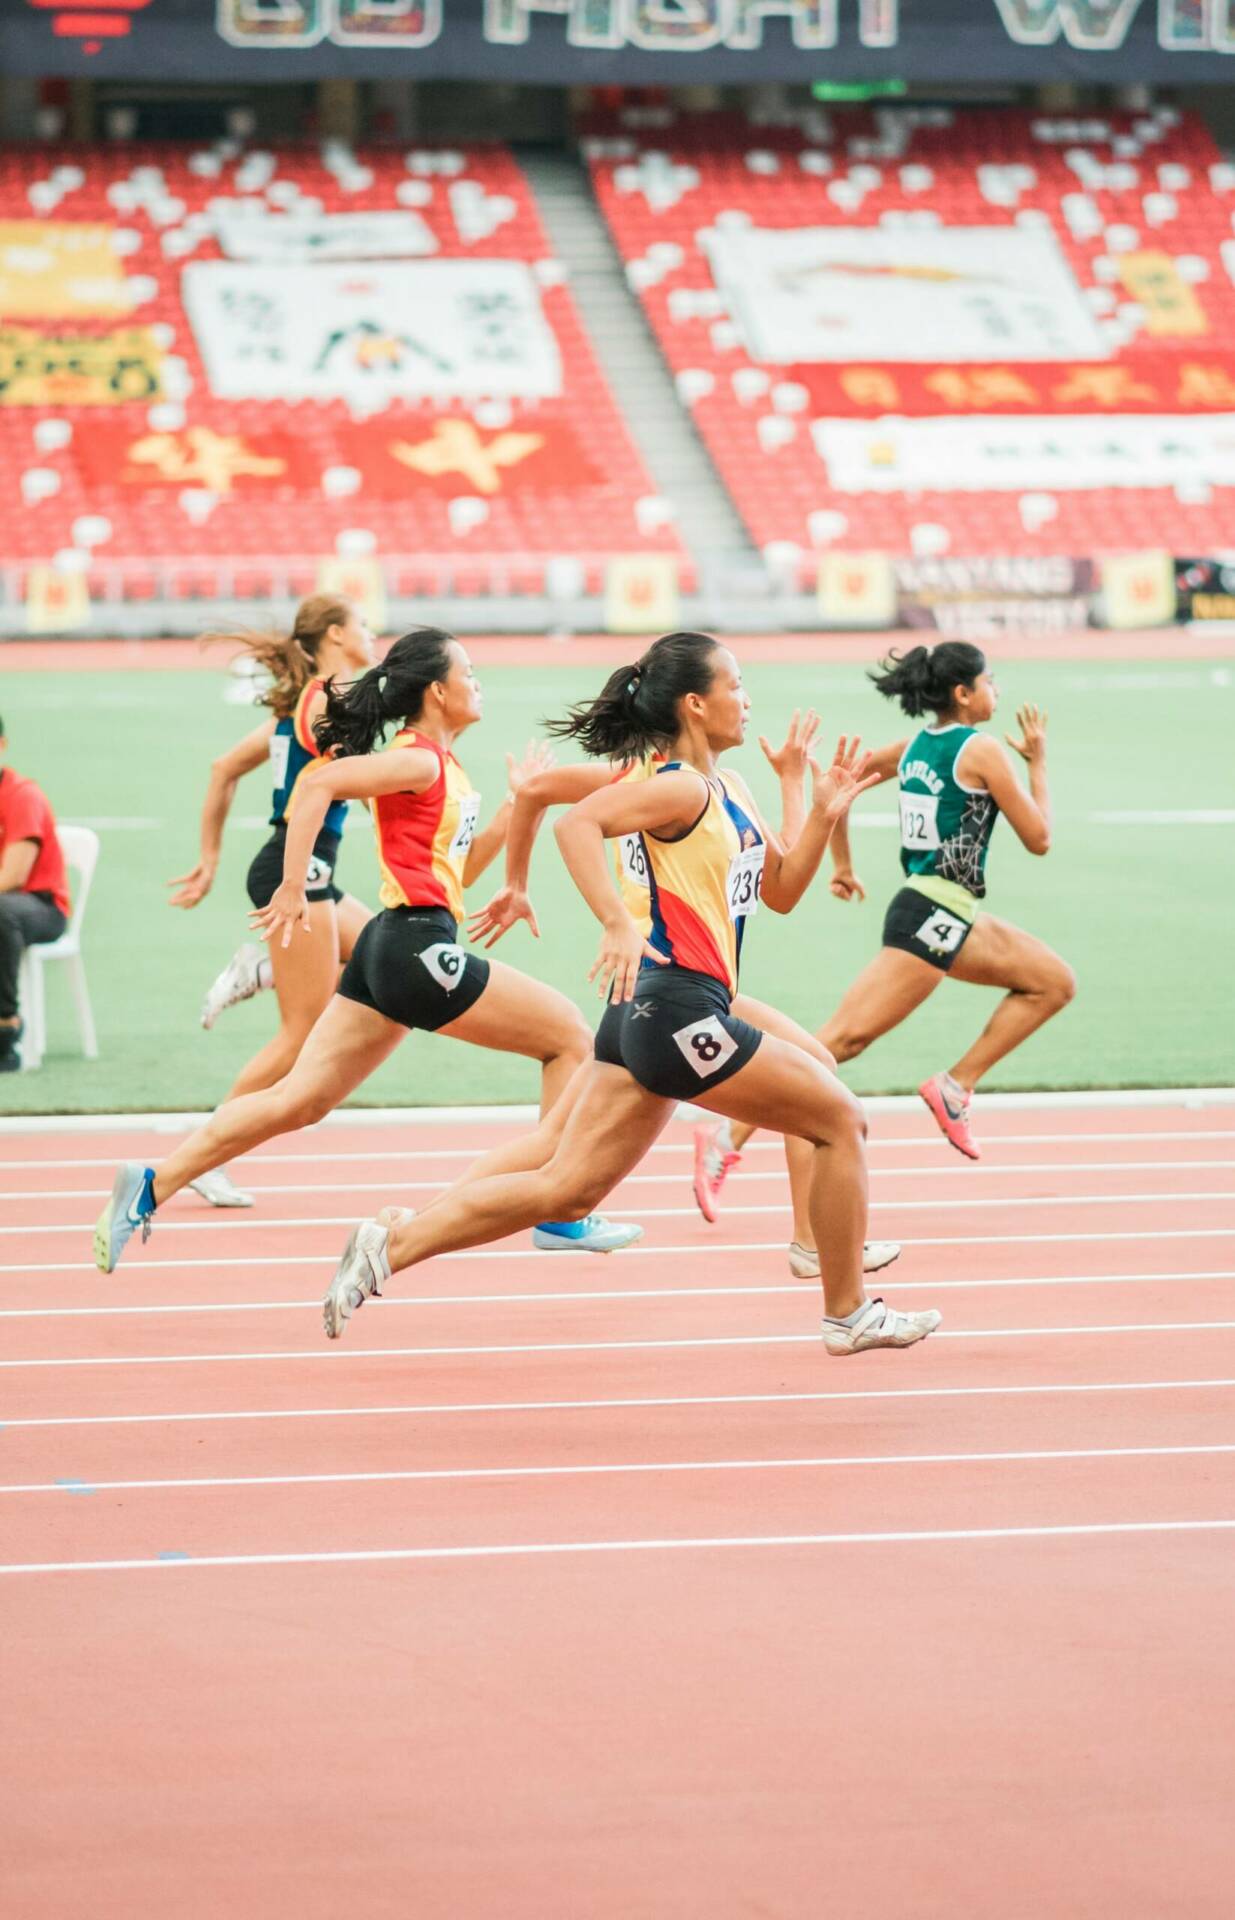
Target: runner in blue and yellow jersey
x: 670, y: 1030
x: 329, y: 638
x: 954, y: 782
x: 407, y: 969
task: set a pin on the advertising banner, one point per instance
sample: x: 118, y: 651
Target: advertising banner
x: 1205, y: 589
x: 78, y: 369
x: 982, y: 598
x: 56, y: 602
x: 641, y: 593
x: 445, y: 330
x: 807, y: 294
x: 999, y: 453
x: 59, y: 270
x: 290, y: 239
x: 1190, y: 381
x: 1138, y: 590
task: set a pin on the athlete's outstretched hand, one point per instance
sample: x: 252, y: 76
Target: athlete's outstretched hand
x: 846, y: 885
x: 508, y: 906
x: 1032, y: 744
x: 837, y: 787
x: 288, y: 909
x: 616, y: 967
x: 194, y: 886
x: 794, y: 757
x: 537, y: 758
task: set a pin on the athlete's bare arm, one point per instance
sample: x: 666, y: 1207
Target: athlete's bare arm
x: 225, y: 774
x: 551, y: 787
x: 845, y: 884
x: 984, y: 762
x: 788, y: 871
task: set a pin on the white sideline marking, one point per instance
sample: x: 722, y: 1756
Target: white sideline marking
x: 680, y: 1150
x: 575, y: 1406
x: 524, y: 1115
x: 590, y: 1295
x: 352, y: 1555
x: 585, y: 1346
x: 948, y: 1173
x: 641, y: 1251
x: 631, y: 1466
x: 237, y: 1219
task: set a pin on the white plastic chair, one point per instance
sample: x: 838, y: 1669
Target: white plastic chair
x: 81, y: 854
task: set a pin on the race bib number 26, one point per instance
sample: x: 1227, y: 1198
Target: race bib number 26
x: 633, y: 855
x: 465, y: 832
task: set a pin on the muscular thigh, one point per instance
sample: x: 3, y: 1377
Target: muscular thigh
x: 610, y: 1127
x: 771, y: 1020
x: 307, y: 969
x: 516, y: 1014
x: 997, y: 954
x: 346, y: 1045
x: 786, y: 1089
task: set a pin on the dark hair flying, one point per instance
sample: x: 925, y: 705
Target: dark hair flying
x: 923, y: 679
x: 636, y: 711
x: 358, y: 714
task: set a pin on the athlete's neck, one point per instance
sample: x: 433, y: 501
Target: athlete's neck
x: 693, y: 749
x: 435, y: 729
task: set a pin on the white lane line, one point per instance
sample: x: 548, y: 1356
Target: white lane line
x: 948, y: 1174
x: 620, y: 1467
x: 679, y: 1150
x: 337, y: 1355
x: 237, y: 1220
x: 591, y: 1295
x: 644, y: 1252
x: 541, y: 1548
x: 564, y: 1406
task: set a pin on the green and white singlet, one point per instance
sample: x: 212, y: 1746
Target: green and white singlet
x: 945, y: 826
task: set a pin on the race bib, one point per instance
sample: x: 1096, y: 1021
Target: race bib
x: 465, y: 832
x: 744, y: 882
x: 317, y: 874
x: 706, y: 1045
x: 445, y: 962
x: 633, y: 855
x: 280, y: 745
x: 943, y: 932
x: 920, y: 822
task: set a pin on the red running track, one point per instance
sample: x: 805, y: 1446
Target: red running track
x: 593, y: 1589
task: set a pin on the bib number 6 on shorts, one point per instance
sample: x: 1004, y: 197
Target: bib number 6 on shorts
x: 445, y: 962
x: 706, y: 1045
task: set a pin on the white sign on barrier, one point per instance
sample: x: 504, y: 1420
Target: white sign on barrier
x: 436, y: 330
x: 292, y: 239
x: 993, y: 453
x: 870, y: 294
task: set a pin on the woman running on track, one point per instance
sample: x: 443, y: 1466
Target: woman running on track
x: 407, y: 969
x: 328, y: 637
x: 565, y: 786
x: 669, y: 1032
x: 954, y: 783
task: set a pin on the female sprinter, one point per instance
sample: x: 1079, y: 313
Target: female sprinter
x: 564, y: 786
x: 407, y: 969
x: 954, y: 784
x: 669, y: 1032
x: 328, y: 638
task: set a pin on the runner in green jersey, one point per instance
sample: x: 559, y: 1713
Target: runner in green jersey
x: 954, y: 783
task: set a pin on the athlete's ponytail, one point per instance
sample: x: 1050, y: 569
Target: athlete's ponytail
x: 923, y: 679
x: 358, y: 714
x: 636, y: 710
x: 289, y: 660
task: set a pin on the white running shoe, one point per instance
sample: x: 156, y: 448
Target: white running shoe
x: 359, y: 1276
x: 239, y: 980
x: 217, y: 1189
x: 878, y: 1326
x: 804, y: 1261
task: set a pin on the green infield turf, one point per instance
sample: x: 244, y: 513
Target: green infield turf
x: 1137, y: 892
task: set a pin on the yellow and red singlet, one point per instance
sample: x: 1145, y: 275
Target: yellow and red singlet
x: 423, y: 838
x: 630, y: 859
x: 704, y: 885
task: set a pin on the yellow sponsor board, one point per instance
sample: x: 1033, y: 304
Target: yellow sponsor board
x: 641, y: 593
x: 1171, y: 307
x: 361, y: 581
x: 856, y: 590
x: 56, y: 602
x: 1139, y: 589
x: 78, y: 369
x: 59, y: 270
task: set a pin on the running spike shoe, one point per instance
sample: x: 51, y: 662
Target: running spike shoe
x: 593, y: 1235
x: 878, y: 1325
x: 712, y: 1168
x: 358, y: 1277
x: 218, y: 1190
x: 239, y: 980
x: 804, y: 1261
x: 131, y: 1207
x: 950, y: 1106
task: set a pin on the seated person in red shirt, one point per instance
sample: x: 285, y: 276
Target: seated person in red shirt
x: 34, y: 893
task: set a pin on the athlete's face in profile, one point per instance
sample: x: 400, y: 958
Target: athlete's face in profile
x: 726, y: 704
x: 356, y: 640
x: 983, y: 699
x: 462, y: 704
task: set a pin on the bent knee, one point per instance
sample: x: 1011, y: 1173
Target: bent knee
x: 572, y: 1037
x: 1059, y: 984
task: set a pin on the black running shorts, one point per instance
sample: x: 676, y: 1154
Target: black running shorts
x: 922, y: 927
x: 266, y: 869
x: 677, y: 1036
x: 409, y: 966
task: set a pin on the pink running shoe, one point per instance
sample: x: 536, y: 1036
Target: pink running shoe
x: 951, y: 1113
x: 712, y: 1166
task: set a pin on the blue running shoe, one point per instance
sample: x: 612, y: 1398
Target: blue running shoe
x: 131, y: 1206
x: 593, y: 1235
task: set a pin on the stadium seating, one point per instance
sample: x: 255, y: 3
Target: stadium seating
x: 196, y: 491
x: 1141, y: 208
